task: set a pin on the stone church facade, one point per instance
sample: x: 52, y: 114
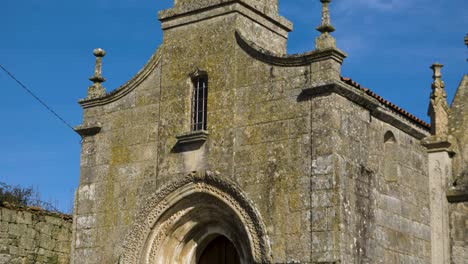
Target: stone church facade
x: 224, y: 149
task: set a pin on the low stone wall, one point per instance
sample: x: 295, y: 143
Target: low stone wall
x: 31, y: 235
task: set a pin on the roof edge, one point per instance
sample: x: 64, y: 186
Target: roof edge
x: 388, y: 104
x: 376, y: 108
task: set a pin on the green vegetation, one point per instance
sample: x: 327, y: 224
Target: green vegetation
x: 21, y: 196
x: 16, y: 195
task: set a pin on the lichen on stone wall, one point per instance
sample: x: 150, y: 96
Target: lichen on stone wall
x: 312, y: 165
x: 31, y: 235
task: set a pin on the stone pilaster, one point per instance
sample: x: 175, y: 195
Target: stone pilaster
x: 440, y: 168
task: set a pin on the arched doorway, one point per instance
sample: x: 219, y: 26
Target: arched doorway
x: 190, y: 220
x: 219, y: 251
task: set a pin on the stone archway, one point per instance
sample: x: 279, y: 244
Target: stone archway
x: 181, y: 220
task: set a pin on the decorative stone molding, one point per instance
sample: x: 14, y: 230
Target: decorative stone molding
x: 183, y: 217
x: 192, y: 137
x: 438, y: 144
x: 289, y: 60
x: 197, y: 73
x: 439, y: 111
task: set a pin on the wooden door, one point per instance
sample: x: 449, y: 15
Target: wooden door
x: 219, y: 251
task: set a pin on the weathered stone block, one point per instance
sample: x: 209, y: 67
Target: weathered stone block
x: 26, y: 243
x: 24, y: 217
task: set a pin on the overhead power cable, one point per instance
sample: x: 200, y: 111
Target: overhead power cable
x: 36, y: 98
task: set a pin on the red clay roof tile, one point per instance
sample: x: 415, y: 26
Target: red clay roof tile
x: 387, y: 103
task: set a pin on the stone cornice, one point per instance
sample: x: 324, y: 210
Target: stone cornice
x: 171, y: 18
x: 192, y: 137
x: 288, y: 60
x: 437, y: 143
x: 455, y: 195
x: 376, y: 108
x: 88, y: 130
x: 458, y: 192
x: 127, y: 87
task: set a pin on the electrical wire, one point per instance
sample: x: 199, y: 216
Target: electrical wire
x: 36, y: 97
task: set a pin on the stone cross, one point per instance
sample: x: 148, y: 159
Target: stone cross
x: 97, y: 90
x: 438, y: 109
x: 325, y: 40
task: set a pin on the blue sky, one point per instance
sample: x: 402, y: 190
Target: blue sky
x: 48, y: 45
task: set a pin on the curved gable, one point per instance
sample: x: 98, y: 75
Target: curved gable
x: 128, y: 86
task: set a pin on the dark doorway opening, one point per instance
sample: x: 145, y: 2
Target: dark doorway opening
x: 219, y: 251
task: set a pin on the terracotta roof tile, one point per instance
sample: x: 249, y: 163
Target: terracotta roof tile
x: 387, y: 103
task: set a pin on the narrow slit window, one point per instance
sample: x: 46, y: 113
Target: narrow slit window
x: 199, y: 103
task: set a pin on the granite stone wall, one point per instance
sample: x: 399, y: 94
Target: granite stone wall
x: 459, y: 209
x: 118, y: 168
x: 458, y: 127
x: 369, y: 188
x: 326, y: 183
x: 258, y: 136
x: 34, y: 236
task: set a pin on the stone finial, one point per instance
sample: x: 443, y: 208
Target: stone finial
x: 97, y: 90
x: 325, y: 40
x: 438, y: 108
x: 326, y: 26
